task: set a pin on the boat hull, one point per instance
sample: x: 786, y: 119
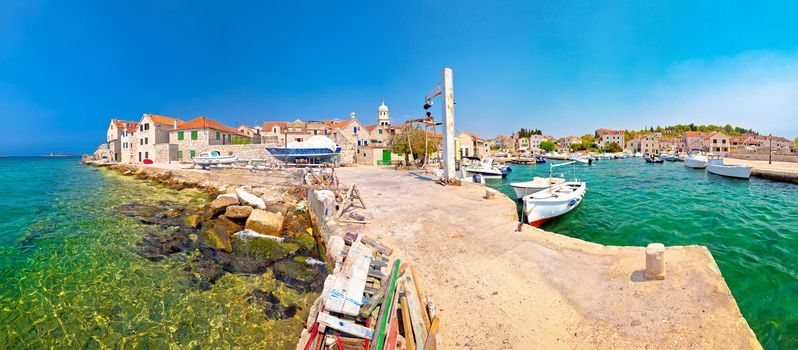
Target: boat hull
x: 695, y: 163
x: 734, y: 171
x: 317, y: 155
x: 215, y: 160
x: 539, y: 212
x: 485, y: 174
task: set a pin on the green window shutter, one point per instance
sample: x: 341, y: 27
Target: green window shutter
x: 180, y: 154
x: 217, y: 136
x: 194, y: 135
x: 180, y: 135
x: 191, y: 153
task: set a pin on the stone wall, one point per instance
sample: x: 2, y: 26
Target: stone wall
x: 793, y: 158
x: 164, y: 153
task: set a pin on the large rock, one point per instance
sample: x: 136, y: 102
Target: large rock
x: 238, y: 212
x: 265, y: 222
x: 221, y: 203
x: 297, y: 223
x: 250, y: 199
x: 218, y: 236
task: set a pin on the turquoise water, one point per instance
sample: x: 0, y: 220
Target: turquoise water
x: 70, y: 276
x: 751, y: 228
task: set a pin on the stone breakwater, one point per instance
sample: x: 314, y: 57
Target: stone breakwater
x: 258, y: 229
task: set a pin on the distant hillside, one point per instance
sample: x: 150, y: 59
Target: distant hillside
x: 678, y: 129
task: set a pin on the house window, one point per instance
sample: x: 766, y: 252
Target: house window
x: 354, y: 130
x: 139, y: 156
x: 141, y: 128
x: 146, y: 155
x: 315, y: 132
x: 147, y: 126
x: 180, y: 135
x: 723, y: 141
x: 715, y: 141
x: 191, y: 153
x: 379, y: 131
x: 141, y: 142
x: 194, y: 135
x: 179, y: 154
x: 217, y: 135
x: 146, y: 140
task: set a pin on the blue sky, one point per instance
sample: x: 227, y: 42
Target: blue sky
x: 67, y: 67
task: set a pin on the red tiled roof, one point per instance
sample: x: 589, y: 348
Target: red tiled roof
x: 122, y: 124
x: 337, y: 123
x: 160, y: 119
x: 692, y: 133
x: 269, y: 125
x: 133, y: 127
x: 207, y: 123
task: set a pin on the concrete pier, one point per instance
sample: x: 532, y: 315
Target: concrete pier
x: 498, y: 287
x: 777, y: 171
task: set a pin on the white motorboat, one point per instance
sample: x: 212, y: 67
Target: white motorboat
x: 537, y: 184
x: 637, y: 155
x: 206, y: 159
x: 554, y: 201
x: 696, y: 160
x: 485, y: 168
x: 716, y: 166
x: 582, y: 160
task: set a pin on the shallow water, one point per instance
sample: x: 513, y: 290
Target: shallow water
x: 751, y: 228
x: 71, y: 278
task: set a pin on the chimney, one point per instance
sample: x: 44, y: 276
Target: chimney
x: 175, y: 124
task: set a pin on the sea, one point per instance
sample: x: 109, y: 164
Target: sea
x: 71, y: 277
x: 750, y: 226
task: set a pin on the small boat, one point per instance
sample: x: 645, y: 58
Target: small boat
x: 582, y: 160
x: 695, y: 159
x: 206, y: 159
x: 505, y: 169
x: 553, y: 202
x: 653, y: 159
x: 540, y: 159
x: 485, y: 168
x: 715, y: 165
x: 316, y: 149
x: 637, y: 155
x: 536, y: 185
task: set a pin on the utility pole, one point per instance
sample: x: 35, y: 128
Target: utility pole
x: 770, y: 150
x: 448, y: 124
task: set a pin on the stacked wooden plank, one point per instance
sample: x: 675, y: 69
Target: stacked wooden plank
x: 370, y: 302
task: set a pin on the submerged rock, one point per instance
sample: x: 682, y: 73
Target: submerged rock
x: 158, y: 245
x: 271, y: 305
x: 299, y: 274
x: 204, y: 272
x: 265, y: 222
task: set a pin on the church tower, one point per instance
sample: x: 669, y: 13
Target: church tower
x: 382, y: 115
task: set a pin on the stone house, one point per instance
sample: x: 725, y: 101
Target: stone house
x: 272, y: 133
x: 566, y: 142
x: 672, y: 143
x: 113, y: 138
x: 607, y: 136
x: 129, y: 144
x: 646, y: 144
x: 200, y: 135
x: 716, y: 142
x: 535, y: 140
x: 252, y: 132
x: 347, y: 132
x: 693, y: 140
x: 153, y: 138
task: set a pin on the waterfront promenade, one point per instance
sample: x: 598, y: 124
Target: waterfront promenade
x: 499, y: 288
x: 778, y: 171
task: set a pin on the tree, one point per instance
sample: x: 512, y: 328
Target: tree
x: 588, y: 140
x: 614, y: 147
x: 577, y: 147
x: 548, y: 146
x: 399, y: 143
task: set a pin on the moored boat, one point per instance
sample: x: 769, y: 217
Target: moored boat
x: 716, y: 166
x: 696, y: 160
x: 553, y: 202
x: 485, y: 168
x: 653, y: 159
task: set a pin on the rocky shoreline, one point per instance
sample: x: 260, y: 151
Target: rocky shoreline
x: 252, y: 230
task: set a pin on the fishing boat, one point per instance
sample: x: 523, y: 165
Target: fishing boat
x: 206, y: 159
x: 695, y: 159
x: 315, y: 150
x: 554, y: 201
x: 653, y: 159
x: 582, y: 160
x: 485, y: 168
x: 716, y: 166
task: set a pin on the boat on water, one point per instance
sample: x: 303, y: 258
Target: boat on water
x: 582, y: 160
x: 695, y: 159
x: 206, y: 159
x: 653, y: 159
x: 554, y: 201
x: 637, y: 155
x: 484, y: 167
x: 540, y: 159
x: 315, y: 150
x: 716, y: 166
x: 537, y: 184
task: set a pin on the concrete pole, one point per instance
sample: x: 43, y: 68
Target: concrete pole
x: 448, y: 124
